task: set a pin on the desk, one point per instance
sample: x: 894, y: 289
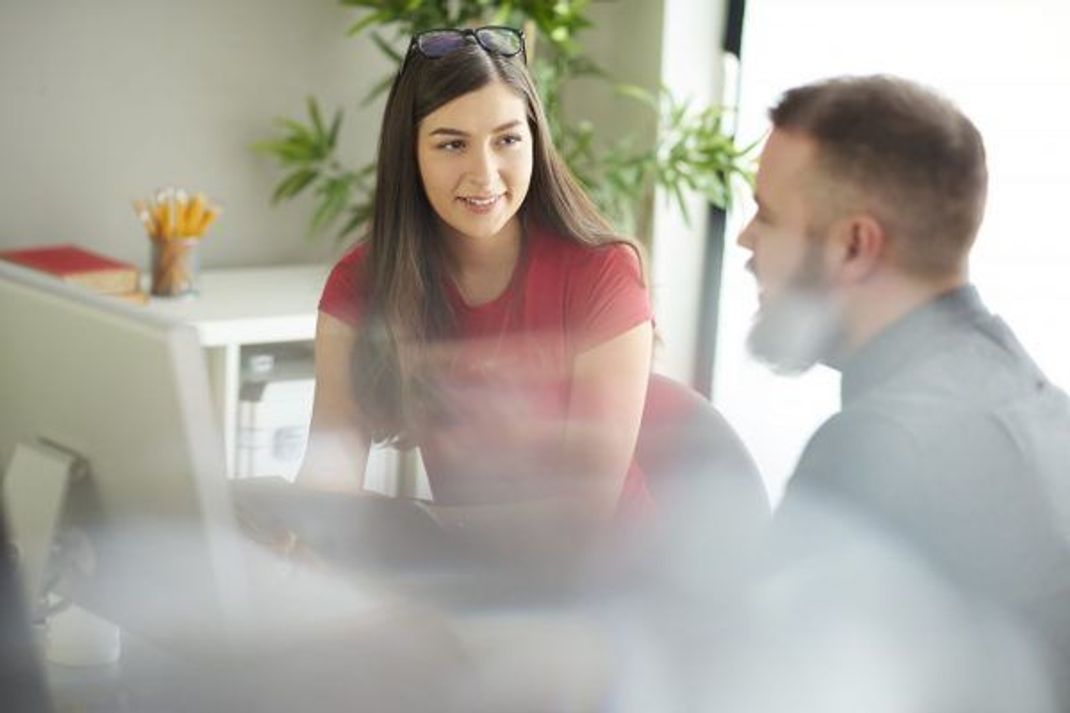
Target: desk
x: 239, y: 307
x: 401, y: 660
x: 144, y: 679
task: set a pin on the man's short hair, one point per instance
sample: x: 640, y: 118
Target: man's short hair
x: 912, y: 156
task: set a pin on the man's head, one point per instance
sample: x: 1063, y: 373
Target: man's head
x: 870, y: 192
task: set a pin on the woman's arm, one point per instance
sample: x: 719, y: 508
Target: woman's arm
x: 587, y: 456
x: 337, y: 446
x: 609, y: 383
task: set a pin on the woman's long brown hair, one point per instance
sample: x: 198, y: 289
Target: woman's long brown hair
x: 404, y: 273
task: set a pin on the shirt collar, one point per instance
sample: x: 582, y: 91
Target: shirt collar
x: 882, y: 355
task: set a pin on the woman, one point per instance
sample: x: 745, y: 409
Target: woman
x: 490, y: 316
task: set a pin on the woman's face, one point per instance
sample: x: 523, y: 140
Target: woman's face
x: 475, y: 155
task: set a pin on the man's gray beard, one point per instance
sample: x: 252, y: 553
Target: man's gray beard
x: 795, y: 330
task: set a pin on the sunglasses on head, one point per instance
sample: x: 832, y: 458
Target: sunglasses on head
x: 495, y: 39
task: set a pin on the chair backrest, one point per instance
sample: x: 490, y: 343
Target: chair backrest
x: 685, y: 446
x: 713, y: 513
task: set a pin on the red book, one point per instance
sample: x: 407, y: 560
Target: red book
x: 76, y: 265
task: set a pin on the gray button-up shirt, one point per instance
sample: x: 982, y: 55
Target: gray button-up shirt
x: 952, y: 442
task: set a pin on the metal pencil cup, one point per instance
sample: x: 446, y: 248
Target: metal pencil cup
x: 176, y: 267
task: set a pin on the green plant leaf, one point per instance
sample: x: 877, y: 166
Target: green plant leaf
x: 638, y: 93
x: 293, y: 184
x: 332, y: 135
x: 333, y: 196
x: 501, y: 15
x: 267, y: 146
x: 677, y: 193
x: 359, y: 215
x: 372, y: 18
x: 378, y: 90
x: 298, y: 131
x: 286, y: 151
x: 386, y: 49
x: 317, y: 120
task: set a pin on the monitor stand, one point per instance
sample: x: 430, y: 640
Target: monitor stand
x: 35, y: 491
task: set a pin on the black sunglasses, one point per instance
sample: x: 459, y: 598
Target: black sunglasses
x: 496, y: 39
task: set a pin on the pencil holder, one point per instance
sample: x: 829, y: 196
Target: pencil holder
x: 175, y: 267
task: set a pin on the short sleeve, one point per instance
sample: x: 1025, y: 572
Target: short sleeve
x: 607, y: 296
x: 343, y: 293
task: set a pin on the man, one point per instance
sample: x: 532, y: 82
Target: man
x: 951, y: 444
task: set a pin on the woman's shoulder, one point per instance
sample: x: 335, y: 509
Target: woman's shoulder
x: 343, y: 295
x: 601, y: 286
x: 573, y: 254
x: 354, y: 255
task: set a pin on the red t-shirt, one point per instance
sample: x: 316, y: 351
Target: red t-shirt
x: 513, y: 355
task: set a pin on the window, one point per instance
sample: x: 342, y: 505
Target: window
x: 1005, y: 63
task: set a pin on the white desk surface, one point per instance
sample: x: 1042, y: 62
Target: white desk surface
x: 251, y: 305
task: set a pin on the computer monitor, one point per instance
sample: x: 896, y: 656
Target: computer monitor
x: 127, y: 391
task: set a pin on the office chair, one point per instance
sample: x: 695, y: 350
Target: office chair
x: 683, y: 440
x: 712, y: 508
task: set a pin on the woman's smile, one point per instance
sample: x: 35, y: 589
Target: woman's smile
x: 481, y: 205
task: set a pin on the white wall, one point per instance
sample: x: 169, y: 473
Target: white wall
x: 1005, y: 63
x: 107, y: 101
x: 625, y: 41
x: 690, y: 67
x: 675, y: 43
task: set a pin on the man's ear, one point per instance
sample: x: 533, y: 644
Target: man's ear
x: 859, y: 243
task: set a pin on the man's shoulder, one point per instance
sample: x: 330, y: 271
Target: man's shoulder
x: 895, y: 437
x: 974, y: 364
x: 929, y: 420
x: 893, y: 441
x: 865, y: 435
x: 976, y: 390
